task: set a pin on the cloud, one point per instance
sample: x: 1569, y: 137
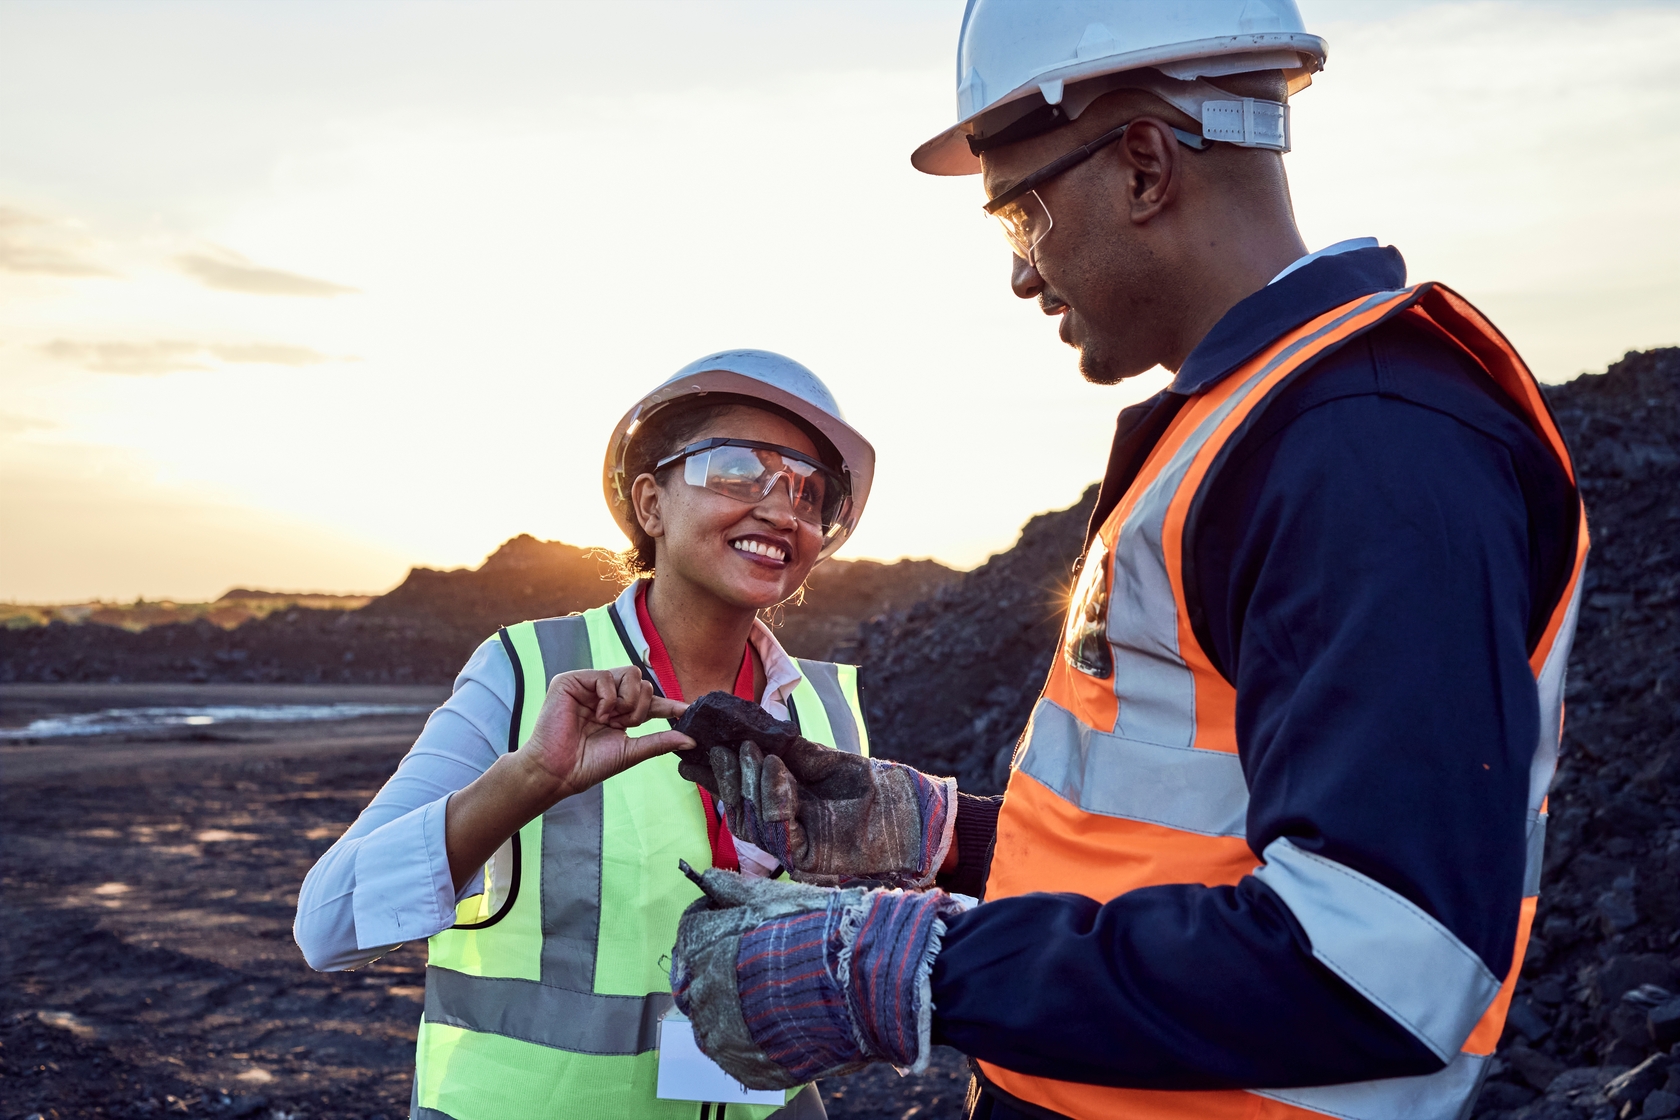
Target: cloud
x: 35, y: 245
x: 231, y: 272
x: 134, y: 358
x: 152, y: 359
x: 11, y: 425
x: 269, y: 354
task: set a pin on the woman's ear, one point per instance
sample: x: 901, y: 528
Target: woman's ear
x: 644, y: 504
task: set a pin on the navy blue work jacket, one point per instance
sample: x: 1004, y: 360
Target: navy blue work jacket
x: 1369, y: 568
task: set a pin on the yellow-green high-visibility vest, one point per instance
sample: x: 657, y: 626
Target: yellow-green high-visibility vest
x: 544, y: 999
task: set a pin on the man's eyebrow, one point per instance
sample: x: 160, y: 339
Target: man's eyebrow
x: 1003, y: 187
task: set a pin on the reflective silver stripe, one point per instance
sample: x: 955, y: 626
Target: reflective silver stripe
x: 1388, y: 949
x: 1536, y: 859
x: 1155, y: 688
x: 1179, y: 787
x: 825, y: 678
x: 1444, y: 1095
x: 1549, y: 687
x: 571, y: 890
x: 571, y: 843
x: 564, y: 643
x: 1550, y: 682
x: 418, y: 1113
x: 579, y: 1022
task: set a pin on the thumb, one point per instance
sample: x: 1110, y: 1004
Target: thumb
x: 778, y: 794
x: 643, y: 747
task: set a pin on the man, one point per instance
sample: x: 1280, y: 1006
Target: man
x: 1271, y: 842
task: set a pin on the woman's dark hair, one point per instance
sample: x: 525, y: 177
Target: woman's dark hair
x: 667, y: 431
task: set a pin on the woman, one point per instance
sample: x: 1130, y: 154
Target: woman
x: 530, y: 838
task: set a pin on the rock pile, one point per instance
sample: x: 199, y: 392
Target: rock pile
x: 950, y: 683
x: 1600, y: 993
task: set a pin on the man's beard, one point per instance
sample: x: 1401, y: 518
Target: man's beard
x: 1101, y: 361
x: 1095, y: 368
x: 1101, y: 365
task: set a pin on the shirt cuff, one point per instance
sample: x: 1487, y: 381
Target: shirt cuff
x: 976, y: 832
x: 756, y: 863
x: 404, y: 891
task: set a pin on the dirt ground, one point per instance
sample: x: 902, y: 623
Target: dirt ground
x: 147, y: 967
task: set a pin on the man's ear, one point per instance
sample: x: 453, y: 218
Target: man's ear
x: 1150, y: 160
x: 644, y: 504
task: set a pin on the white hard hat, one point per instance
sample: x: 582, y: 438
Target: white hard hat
x: 1054, y: 57
x: 765, y: 376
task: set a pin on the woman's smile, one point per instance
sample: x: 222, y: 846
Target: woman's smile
x: 761, y: 549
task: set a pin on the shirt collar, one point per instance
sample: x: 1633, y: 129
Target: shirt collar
x: 1347, y: 246
x: 781, y: 672
x: 1306, y: 289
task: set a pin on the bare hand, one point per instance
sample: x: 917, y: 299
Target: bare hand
x: 579, y: 741
x: 580, y: 738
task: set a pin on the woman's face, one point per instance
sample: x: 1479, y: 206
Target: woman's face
x: 749, y: 556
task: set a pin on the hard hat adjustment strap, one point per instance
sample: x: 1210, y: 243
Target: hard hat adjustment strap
x: 1251, y: 123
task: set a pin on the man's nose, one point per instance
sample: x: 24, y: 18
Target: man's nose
x: 1024, y: 279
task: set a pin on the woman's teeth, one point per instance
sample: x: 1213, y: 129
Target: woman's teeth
x: 759, y: 548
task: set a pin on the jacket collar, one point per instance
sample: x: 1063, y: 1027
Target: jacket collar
x: 1294, y: 298
x: 781, y: 672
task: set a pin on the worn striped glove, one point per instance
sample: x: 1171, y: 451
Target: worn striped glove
x: 786, y: 982
x: 830, y: 817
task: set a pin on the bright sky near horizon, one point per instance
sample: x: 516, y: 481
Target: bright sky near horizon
x: 296, y: 294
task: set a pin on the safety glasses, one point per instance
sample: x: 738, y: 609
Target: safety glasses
x: 747, y: 471
x: 1021, y: 210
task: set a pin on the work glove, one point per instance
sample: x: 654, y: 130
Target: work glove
x: 786, y: 982
x: 830, y: 817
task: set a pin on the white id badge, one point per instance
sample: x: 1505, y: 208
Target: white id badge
x: 686, y: 1074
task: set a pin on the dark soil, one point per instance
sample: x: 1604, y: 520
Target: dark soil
x: 147, y: 967
x: 148, y: 964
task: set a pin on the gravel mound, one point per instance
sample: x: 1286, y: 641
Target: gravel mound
x: 951, y: 681
x: 1600, y: 993
x: 949, y: 684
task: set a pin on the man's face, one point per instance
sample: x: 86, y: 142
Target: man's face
x: 1094, y: 270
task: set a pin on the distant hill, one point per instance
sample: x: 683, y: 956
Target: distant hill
x: 421, y: 631
x: 528, y: 578
x: 233, y: 608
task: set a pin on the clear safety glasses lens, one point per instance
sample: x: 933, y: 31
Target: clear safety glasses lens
x: 748, y: 474
x: 1025, y: 222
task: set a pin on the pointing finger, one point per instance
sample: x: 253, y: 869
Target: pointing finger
x: 661, y: 708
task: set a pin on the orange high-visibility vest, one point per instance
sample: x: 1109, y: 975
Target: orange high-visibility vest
x: 1128, y: 774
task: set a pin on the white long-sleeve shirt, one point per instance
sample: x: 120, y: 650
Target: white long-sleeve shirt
x: 386, y: 880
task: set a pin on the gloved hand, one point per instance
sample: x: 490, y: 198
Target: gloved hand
x: 830, y: 817
x: 786, y: 983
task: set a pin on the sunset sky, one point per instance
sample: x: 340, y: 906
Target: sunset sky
x: 296, y: 295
